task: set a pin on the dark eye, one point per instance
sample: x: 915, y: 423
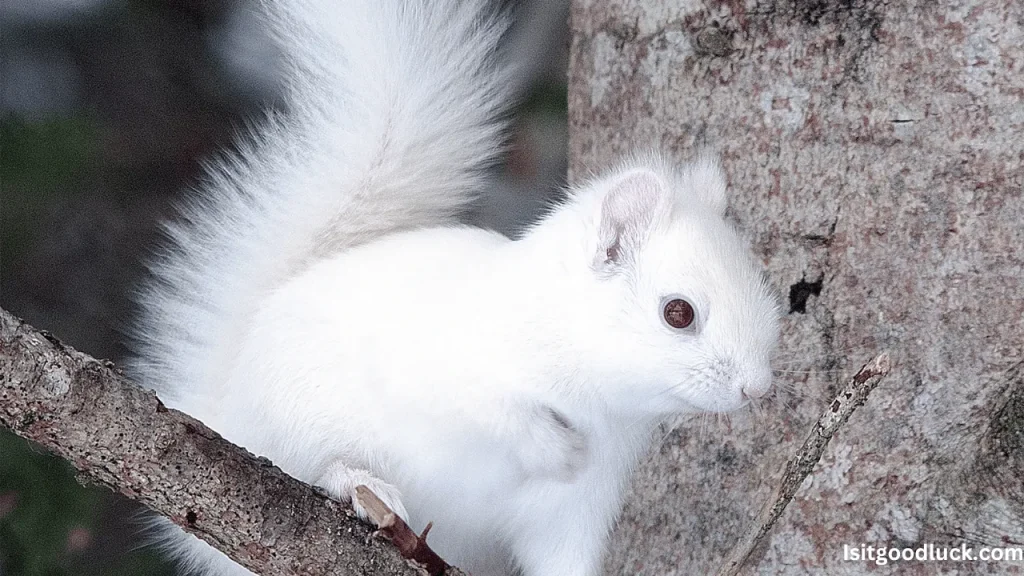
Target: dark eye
x: 678, y: 313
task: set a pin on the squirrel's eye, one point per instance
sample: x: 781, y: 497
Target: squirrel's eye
x: 678, y: 313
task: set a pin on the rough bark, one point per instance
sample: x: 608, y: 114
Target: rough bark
x: 120, y: 435
x: 876, y: 159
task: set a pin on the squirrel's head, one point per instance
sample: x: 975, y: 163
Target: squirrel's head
x: 676, y: 314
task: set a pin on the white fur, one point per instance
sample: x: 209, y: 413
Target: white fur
x: 323, y: 310
x: 392, y: 108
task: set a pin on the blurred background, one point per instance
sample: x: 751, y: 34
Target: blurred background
x: 108, y: 109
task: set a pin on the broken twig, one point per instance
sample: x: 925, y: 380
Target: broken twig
x: 410, y: 545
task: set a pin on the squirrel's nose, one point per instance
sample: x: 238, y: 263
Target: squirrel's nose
x: 751, y: 392
x: 757, y: 384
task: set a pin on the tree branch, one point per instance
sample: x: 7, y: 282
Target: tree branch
x: 120, y: 435
x: 392, y: 527
x: 802, y: 463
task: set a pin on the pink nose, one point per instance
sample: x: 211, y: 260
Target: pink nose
x: 753, y: 392
x: 757, y: 386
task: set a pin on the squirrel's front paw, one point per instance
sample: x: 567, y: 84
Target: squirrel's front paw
x: 552, y: 446
x: 340, y: 482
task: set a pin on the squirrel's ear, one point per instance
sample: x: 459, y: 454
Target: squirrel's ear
x: 706, y: 180
x: 631, y: 206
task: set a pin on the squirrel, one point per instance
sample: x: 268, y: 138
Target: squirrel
x: 320, y: 304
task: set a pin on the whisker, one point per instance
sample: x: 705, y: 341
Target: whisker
x: 668, y: 432
x: 830, y: 349
x: 787, y: 397
x: 790, y: 388
x: 757, y: 411
x: 807, y: 371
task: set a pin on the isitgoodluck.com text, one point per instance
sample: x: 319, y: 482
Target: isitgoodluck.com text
x: 882, y: 555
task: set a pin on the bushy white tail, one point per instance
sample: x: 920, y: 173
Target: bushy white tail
x: 393, y: 111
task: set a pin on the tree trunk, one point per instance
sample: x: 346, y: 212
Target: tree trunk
x: 876, y: 156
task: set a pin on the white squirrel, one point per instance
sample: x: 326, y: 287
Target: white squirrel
x: 321, y: 306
